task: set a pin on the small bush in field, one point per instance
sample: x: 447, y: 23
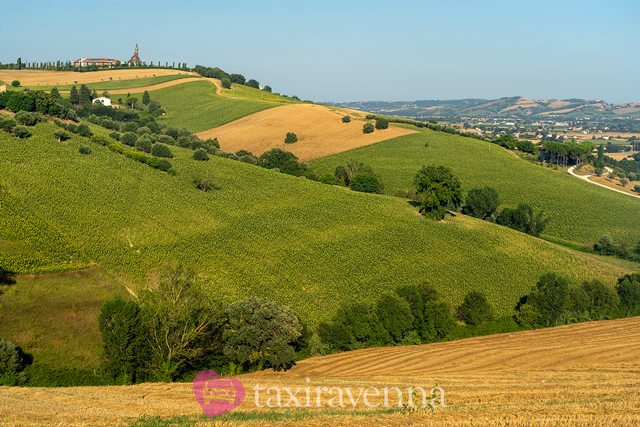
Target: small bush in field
x: 291, y: 138
x: 83, y: 149
x: 200, y: 154
x: 367, y: 128
x: 346, y: 119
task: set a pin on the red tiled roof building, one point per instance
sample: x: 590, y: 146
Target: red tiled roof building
x: 135, y: 59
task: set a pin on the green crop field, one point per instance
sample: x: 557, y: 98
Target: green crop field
x: 28, y: 244
x: 292, y: 240
x: 196, y: 106
x: 578, y: 211
x: 246, y: 92
x: 117, y: 84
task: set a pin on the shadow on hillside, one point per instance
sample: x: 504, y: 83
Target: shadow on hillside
x: 414, y: 203
x: 6, y: 278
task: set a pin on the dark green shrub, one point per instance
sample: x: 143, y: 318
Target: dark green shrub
x: 601, y: 296
x: 144, y: 144
x: 524, y: 219
x: 184, y: 142
x: 129, y: 138
x: 439, y: 319
x: 550, y: 297
x: 481, y: 202
x: 410, y: 294
x: 161, y: 150
x: 25, y: 118
x: 166, y: 139
x: 204, y: 182
x: 346, y: 119
x: 83, y: 149
x: 10, y: 358
x: 61, y: 135
x: 382, y: 123
x: 628, y: 288
x: 129, y: 127
x: 7, y: 124
x: 39, y: 117
x: 72, y: 127
x: 285, y: 161
x: 93, y: 119
x: 394, y: 315
x: 124, y: 344
x: 83, y: 130
x: 428, y: 292
x: 197, y: 143
x: 328, y: 178
x: 226, y: 83
x: 21, y: 131
x: 15, y: 83
x: 370, y: 116
x: 290, y: 138
x: 143, y: 130
x: 579, y: 300
x: 261, y: 334
x: 212, y: 142
x: 200, y: 154
x: 438, y: 189
x: 476, y: 309
x: 163, y: 164
x: 528, y: 316
x: 248, y: 159
x: 366, y: 183
x: 336, y: 335
x: 362, y: 324
x: 367, y: 128
x: 115, y: 135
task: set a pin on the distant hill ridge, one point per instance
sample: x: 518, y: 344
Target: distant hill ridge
x: 516, y: 106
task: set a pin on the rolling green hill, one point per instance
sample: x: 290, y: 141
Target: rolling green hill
x: 578, y: 212
x: 292, y: 240
x: 196, y: 106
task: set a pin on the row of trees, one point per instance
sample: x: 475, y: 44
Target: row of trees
x: 568, y: 151
x: 226, y: 78
x: 172, y: 327
x: 438, y: 190
x: 69, y: 66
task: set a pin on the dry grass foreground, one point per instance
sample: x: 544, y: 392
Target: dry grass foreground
x: 45, y: 78
x: 581, y: 374
x: 319, y: 129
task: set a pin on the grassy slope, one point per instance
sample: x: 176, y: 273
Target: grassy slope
x: 295, y: 241
x: 578, y: 211
x: 29, y: 244
x: 54, y: 317
x: 196, y: 106
x: 246, y: 92
x: 117, y: 84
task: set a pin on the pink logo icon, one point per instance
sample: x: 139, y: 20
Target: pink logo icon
x: 217, y: 395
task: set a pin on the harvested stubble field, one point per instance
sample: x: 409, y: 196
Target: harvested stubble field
x: 319, y: 129
x: 581, y: 374
x: 48, y: 78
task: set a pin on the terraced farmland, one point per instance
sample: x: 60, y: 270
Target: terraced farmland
x: 579, y: 212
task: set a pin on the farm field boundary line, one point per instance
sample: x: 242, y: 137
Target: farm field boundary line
x: 586, y: 178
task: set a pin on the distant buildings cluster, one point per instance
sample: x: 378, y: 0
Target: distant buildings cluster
x: 108, y: 62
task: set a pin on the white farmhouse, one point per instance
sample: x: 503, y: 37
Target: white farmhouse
x: 105, y: 101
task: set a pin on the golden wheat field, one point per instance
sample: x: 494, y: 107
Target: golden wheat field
x: 46, y: 78
x: 581, y: 374
x: 319, y: 129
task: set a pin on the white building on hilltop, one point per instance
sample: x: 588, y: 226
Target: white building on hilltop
x: 103, y: 100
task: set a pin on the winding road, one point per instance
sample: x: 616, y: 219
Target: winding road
x: 586, y: 178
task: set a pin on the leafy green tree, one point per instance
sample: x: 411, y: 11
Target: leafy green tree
x: 161, y: 150
x: 290, y: 138
x: 146, y: 98
x: 83, y: 149
x: 439, y: 319
x: 131, y: 100
x: 367, y: 128
x: 55, y: 95
x: 550, y: 297
x: 327, y: 178
x: 346, y: 119
x: 237, y: 78
x: 628, y: 289
x: 382, y: 123
x: 125, y: 349
x: 605, y: 245
x: 481, y: 202
x: 200, y: 154
x: 15, y: 83
x: 85, y: 95
x: 21, y: 132
x: 61, y: 135
x: 601, y: 296
x: 25, y: 118
x: 253, y: 83
x: 286, y: 161
x: 476, y: 309
x: 204, y: 182
x: 336, y: 335
x: 226, y: 83
x: 261, y: 334
x: 624, y: 181
x: 365, y: 183
x: 524, y: 219
x: 395, y: 316
x: 129, y: 138
x: 10, y: 359
x: 183, y: 325
x: 599, y: 163
x: 84, y: 130
x: 438, y: 189
x: 412, y: 296
x: 267, y: 89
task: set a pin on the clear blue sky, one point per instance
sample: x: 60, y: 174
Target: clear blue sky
x: 356, y: 50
